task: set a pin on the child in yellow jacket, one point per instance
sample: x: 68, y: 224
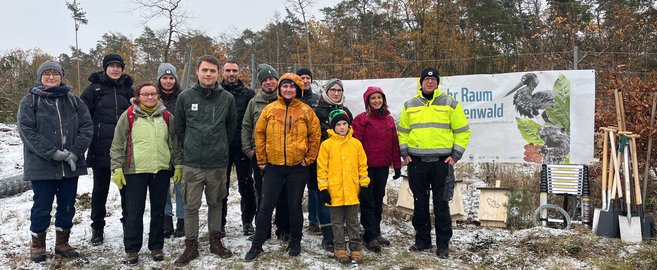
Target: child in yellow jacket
x: 341, y: 175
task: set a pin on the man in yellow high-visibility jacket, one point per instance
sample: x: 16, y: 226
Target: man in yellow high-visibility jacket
x: 433, y: 134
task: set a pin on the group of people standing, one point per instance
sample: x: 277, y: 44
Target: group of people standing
x: 281, y: 139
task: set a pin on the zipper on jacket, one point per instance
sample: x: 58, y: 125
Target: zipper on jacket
x: 285, y: 136
x: 61, y: 135
x: 116, y: 105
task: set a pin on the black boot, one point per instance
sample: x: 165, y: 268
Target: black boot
x: 168, y: 226
x: 96, y: 237
x: 327, y: 238
x: 180, y: 228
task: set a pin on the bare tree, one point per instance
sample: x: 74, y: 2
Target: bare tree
x: 79, y: 17
x: 171, y: 10
x: 301, y: 7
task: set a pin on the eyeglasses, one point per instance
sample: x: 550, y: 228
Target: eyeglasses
x: 146, y: 95
x: 48, y: 74
x: 430, y: 79
x: 336, y: 90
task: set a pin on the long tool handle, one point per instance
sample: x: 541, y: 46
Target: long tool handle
x: 652, y: 122
x: 626, y: 174
x: 616, y: 169
x: 618, y: 99
x: 635, y: 168
x: 605, y: 145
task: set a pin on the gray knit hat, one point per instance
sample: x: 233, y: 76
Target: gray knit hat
x: 166, y: 69
x: 48, y: 65
x: 332, y: 82
x: 265, y: 71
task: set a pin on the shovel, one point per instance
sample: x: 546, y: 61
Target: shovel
x: 630, y: 227
x: 608, y: 220
x: 596, y: 211
x: 647, y: 222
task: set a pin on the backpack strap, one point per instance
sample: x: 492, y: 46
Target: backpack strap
x: 131, y: 120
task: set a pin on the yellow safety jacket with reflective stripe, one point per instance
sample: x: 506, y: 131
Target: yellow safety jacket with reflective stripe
x: 433, y: 128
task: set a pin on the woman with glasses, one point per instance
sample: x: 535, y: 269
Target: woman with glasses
x: 143, y: 148
x: 331, y: 98
x: 56, y: 130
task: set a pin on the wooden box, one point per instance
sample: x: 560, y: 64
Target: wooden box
x: 492, y: 206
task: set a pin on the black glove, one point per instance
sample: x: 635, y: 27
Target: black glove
x: 326, y: 196
x: 363, y: 190
x: 397, y: 174
x: 450, y: 181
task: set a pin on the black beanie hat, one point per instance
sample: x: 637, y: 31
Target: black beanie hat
x: 305, y: 71
x: 112, y: 58
x: 430, y: 72
x: 336, y: 115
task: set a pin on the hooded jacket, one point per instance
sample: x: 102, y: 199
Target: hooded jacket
x: 251, y: 116
x: 206, y: 119
x: 342, y: 168
x: 322, y: 111
x: 242, y: 95
x: 287, y: 134
x: 47, y: 124
x: 106, y: 100
x: 377, y: 133
x: 154, y: 142
x: 169, y: 100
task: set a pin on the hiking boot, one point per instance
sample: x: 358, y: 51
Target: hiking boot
x: 442, y: 253
x: 357, y: 256
x: 190, y: 253
x: 373, y: 245
x: 294, y: 248
x: 327, y: 238
x: 168, y: 226
x: 248, y: 229
x: 157, y: 255
x: 217, y: 247
x: 418, y: 248
x: 62, y: 247
x: 223, y: 231
x: 97, y: 237
x: 253, y: 253
x: 38, y: 247
x: 314, y: 229
x: 283, y: 235
x: 180, y: 228
x: 341, y: 255
x: 382, y: 241
x: 131, y: 258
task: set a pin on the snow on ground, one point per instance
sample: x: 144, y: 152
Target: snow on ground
x: 471, y: 247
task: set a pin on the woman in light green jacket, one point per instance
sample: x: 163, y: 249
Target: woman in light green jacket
x: 144, y: 145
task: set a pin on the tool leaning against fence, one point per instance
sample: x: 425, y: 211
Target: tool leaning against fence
x: 630, y: 227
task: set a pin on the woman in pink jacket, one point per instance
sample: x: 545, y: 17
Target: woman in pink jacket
x: 376, y: 130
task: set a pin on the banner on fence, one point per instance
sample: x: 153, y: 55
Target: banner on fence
x: 534, y: 116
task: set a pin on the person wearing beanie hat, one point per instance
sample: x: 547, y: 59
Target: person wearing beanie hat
x: 307, y: 96
x: 432, y: 140
x: 55, y: 128
x: 168, y: 89
x: 268, y: 78
x: 287, y: 138
x: 242, y: 95
x: 375, y: 129
x: 344, y: 154
x: 107, y: 96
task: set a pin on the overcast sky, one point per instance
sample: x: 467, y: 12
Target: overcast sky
x: 47, y: 24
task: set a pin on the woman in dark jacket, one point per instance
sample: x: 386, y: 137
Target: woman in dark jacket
x: 56, y: 129
x: 376, y: 130
x: 107, y: 97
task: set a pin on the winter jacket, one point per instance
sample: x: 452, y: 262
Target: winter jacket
x: 169, y: 100
x: 433, y: 128
x: 107, y: 100
x: 206, y: 118
x: 378, y: 134
x: 154, y: 142
x: 287, y: 134
x: 322, y: 111
x: 47, y: 124
x: 342, y: 168
x: 242, y: 96
x: 309, y: 98
x: 251, y: 116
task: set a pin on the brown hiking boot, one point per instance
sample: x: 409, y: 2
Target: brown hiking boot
x: 217, y: 247
x: 190, y: 253
x: 341, y: 255
x: 131, y: 258
x: 374, y: 245
x: 38, y: 247
x: 157, y: 255
x: 357, y: 256
x: 62, y: 247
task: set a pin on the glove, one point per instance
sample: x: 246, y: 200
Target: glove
x: 363, y: 190
x: 326, y: 196
x: 450, y: 181
x: 72, y: 159
x: 119, y: 178
x: 177, y: 174
x: 397, y: 174
x: 60, y: 155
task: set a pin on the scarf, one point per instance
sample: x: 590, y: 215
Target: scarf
x: 50, y: 92
x: 148, y: 110
x: 328, y: 100
x: 269, y: 96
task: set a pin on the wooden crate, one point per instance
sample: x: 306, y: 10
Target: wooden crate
x: 405, y: 203
x: 492, y: 206
x: 456, y: 207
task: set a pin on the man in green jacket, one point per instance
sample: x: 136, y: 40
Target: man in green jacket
x: 433, y: 134
x: 205, y: 121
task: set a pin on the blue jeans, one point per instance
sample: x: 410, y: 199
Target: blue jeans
x: 44, y: 194
x: 318, y: 212
x: 180, y: 205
